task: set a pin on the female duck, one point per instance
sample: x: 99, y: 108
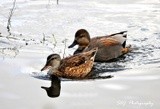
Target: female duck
x: 109, y: 47
x: 74, y: 67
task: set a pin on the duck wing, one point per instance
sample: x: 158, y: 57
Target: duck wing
x: 78, y: 59
x: 71, y: 61
x: 109, y: 40
x: 102, y: 43
x: 120, y: 37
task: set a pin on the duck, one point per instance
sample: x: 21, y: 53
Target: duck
x: 109, y: 47
x: 77, y: 66
x: 55, y: 88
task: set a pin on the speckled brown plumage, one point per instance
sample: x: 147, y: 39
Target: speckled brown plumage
x: 75, y: 67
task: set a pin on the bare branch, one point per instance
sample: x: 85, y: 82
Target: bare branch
x: 55, y: 41
x: 44, y: 38
x: 57, y: 2
x: 10, y: 16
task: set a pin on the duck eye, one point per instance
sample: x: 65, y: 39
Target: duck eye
x: 81, y: 35
x: 53, y: 58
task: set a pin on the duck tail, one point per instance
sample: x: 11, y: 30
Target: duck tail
x: 93, y: 51
x: 125, y: 36
x: 121, y: 36
x: 122, y: 32
x: 124, y: 44
x: 90, y: 55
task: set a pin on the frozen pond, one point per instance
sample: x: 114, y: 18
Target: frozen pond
x: 40, y: 27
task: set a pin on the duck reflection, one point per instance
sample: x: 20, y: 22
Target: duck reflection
x: 55, y: 88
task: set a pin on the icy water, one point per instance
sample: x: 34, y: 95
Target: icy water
x: 34, y: 19
x: 41, y: 27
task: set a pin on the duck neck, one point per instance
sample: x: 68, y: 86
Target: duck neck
x: 54, y: 67
x: 80, y: 49
x: 52, y: 70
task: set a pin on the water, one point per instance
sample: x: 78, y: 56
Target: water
x: 32, y: 19
x: 135, y: 75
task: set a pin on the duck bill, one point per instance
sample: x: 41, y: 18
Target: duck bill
x: 73, y: 44
x: 45, y: 68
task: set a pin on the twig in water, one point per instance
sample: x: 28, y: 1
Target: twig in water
x: 54, y: 40
x: 10, y: 16
x: 57, y: 2
x: 10, y: 51
x: 64, y: 52
x: 49, y: 2
x: 47, y: 6
x: 1, y: 35
x: 44, y: 38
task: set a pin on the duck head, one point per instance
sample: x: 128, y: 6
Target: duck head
x: 53, y: 61
x: 82, y: 39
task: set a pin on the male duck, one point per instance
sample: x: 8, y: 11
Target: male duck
x: 109, y: 47
x: 74, y: 67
